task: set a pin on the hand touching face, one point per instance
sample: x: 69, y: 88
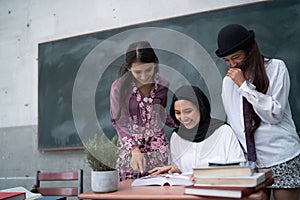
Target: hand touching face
x: 236, y: 75
x: 234, y: 61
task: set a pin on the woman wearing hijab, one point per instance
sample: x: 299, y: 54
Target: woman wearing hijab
x: 199, y: 139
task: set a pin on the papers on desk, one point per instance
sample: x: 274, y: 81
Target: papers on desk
x: 163, y: 179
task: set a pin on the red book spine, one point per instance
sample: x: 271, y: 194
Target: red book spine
x: 13, y: 195
x: 244, y: 191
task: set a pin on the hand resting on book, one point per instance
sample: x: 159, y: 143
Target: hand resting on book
x: 170, y: 169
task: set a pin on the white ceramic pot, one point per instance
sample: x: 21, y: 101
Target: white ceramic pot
x: 104, y: 181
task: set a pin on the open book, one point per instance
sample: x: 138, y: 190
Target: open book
x: 163, y: 179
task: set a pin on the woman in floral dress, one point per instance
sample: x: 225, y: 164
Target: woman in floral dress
x: 137, y: 106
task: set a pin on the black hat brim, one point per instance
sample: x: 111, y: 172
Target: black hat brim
x: 240, y: 46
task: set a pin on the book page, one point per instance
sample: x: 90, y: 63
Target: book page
x: 163, y: 179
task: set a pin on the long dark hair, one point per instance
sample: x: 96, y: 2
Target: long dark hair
x: 140, y: 51
x: 254, y: 69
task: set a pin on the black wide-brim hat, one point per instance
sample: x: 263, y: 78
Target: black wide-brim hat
x: 232, y: 38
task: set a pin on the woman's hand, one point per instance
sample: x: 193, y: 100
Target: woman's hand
x: 192, y: 177
x: 165, y: 169
x: 236, y: 75
x: 138, y: 161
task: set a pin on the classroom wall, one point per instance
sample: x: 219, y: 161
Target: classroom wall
x: 26, y: 23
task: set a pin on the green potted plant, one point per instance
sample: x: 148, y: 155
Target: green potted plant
x: 101, y: 154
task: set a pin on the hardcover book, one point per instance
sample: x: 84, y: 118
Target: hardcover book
x: 245, y: 181
x: 226, y: 191
x: 12, y: 195
x: 28, y: 195
x: 223, y: 171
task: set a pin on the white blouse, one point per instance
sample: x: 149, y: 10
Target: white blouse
x: 221, y: 146
x: 276, y: 139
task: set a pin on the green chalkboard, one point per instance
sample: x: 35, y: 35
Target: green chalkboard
x: 64, y: 84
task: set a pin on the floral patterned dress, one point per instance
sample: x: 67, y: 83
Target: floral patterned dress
x: 141, y: 125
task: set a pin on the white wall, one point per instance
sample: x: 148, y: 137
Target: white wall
x: 26, y: 23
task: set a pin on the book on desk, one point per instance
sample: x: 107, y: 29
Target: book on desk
x: 28, y: 195
x: 12, y: 195
x: 232, y: 186
x: 222, y: 170
x: 226, y: 191
x: 245, y: 181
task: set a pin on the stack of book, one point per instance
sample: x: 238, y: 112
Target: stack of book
x: 229, y: 181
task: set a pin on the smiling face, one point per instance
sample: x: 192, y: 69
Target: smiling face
x: 143, y: 72
x: 235, y: 59
x: 187, y: 113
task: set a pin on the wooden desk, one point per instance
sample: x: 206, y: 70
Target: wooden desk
x: 125, y: 191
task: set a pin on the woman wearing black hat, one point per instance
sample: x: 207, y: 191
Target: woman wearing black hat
x: 255, y: 96
x: 199, y: 139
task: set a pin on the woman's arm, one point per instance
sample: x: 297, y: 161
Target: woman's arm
x: 270, y: 106
x: 118, y: 114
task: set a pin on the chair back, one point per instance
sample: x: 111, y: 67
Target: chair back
x: 66, y: 179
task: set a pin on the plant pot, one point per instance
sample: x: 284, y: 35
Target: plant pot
x: 104, y: 181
